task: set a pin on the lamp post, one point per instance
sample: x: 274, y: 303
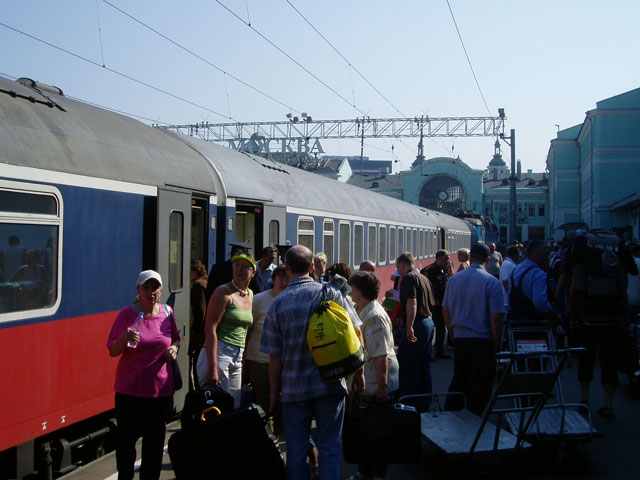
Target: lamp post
x: 511, y: 141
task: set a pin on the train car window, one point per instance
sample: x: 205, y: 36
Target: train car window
x: 392, y: 244
x: 176, y: 251
x: 416, y: 244
x: 401, y: 248
x: 409, y: 241
x: 373, y: 244
x: 429, y: 253
x: 30, y: 242
x: 422, y: 244
x: 327, y: 240
x: 305, y: 232
x: 274, y: 233
x: 344, y: 241
x: 358, y: 243
x: 382, y: 246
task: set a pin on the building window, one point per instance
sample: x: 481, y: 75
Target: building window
x: 30, y: 239
x: 541, y: 209
x: 532, y: 210
x: 373, y: 244
x: 305, y: 232
x: 358, y: 244
x: 344, y: 241
x: 327, y: 240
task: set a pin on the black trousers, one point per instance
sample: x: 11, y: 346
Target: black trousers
x: 474, y: 369
x: 140, y: 417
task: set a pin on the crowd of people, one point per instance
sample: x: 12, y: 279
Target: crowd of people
x: 249, y: 322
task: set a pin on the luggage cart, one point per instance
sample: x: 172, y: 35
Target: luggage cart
x: 460, y: 433
x: 557, y: 420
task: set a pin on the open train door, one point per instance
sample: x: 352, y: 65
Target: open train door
x: 173, y: 241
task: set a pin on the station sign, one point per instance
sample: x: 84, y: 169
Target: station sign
x: 273, y: 145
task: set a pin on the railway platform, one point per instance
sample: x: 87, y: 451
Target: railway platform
x: 610, y: 457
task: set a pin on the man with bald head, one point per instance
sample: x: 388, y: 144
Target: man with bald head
x: 295, y: 380
x: 368, y: 266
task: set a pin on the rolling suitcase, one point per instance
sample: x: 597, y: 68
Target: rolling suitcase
x: 197, y: 401
x: 382, y: 434
x: 238, y: 439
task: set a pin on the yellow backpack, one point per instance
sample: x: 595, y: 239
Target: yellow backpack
x: 333, y: 341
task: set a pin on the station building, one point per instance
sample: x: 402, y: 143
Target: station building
x: 594, y: 169
x: 451, y: 186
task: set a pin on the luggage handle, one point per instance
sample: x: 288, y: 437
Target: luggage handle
x: 207, y: 410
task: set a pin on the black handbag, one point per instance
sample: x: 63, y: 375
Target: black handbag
x: 177, y: 375
x: 382, y: 434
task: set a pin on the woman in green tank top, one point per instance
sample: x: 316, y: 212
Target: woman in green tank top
x: 228, y: 319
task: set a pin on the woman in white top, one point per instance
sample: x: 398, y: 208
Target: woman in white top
x: 257, y: 361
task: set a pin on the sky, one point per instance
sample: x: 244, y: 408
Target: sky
x: 545, y: 62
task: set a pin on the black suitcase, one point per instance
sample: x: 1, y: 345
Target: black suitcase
x: 198, y: 401
x: 238, y: 440
x: 377, y: 434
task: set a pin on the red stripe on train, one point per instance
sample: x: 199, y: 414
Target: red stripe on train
x: 54, y: 374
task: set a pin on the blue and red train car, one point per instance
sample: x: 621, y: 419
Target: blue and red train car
x: 92, y: 197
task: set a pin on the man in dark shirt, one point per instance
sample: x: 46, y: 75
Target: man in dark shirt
x: 414, y: 351
x: 437, y: 275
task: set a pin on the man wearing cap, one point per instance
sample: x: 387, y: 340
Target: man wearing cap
x: 222, y: 273
x: 294, y: 378
x: 473, y: 306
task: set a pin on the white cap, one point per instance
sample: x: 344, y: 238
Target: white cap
x: 147, y: 275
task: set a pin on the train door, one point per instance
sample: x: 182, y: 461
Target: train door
x: 173, y: 241
x: 249, y: 227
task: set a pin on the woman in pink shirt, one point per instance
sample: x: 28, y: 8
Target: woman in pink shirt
x: 146, y: 337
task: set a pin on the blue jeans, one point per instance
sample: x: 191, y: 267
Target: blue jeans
x: 328, y: 411
x: 415, y: 361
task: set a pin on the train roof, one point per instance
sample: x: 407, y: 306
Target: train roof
x: 45, y: 130
x: 251, y: 177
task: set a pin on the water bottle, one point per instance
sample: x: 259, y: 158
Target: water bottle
x: 136, y: 327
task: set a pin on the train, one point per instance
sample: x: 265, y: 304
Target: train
x: 90, y: 197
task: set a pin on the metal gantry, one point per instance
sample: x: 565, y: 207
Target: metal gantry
x: 307, y: 128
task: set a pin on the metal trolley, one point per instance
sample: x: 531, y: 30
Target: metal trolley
x: 511, y: 414
x: 557, y: 419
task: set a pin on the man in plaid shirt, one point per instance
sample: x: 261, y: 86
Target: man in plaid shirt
x: 294, y: 377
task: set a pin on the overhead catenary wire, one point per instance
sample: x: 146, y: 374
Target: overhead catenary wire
x: 345, y: 59
x: 264, y: 37
x: 468, y: 59
x: 182, y: 47
x: 116, y: 72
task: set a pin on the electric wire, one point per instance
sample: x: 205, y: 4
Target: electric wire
x: 289, y: 57
x: 343, y: 57
x: 468, y: 59
x: 116, y: 72
x: 100, y: 32
x: 257, y: 90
